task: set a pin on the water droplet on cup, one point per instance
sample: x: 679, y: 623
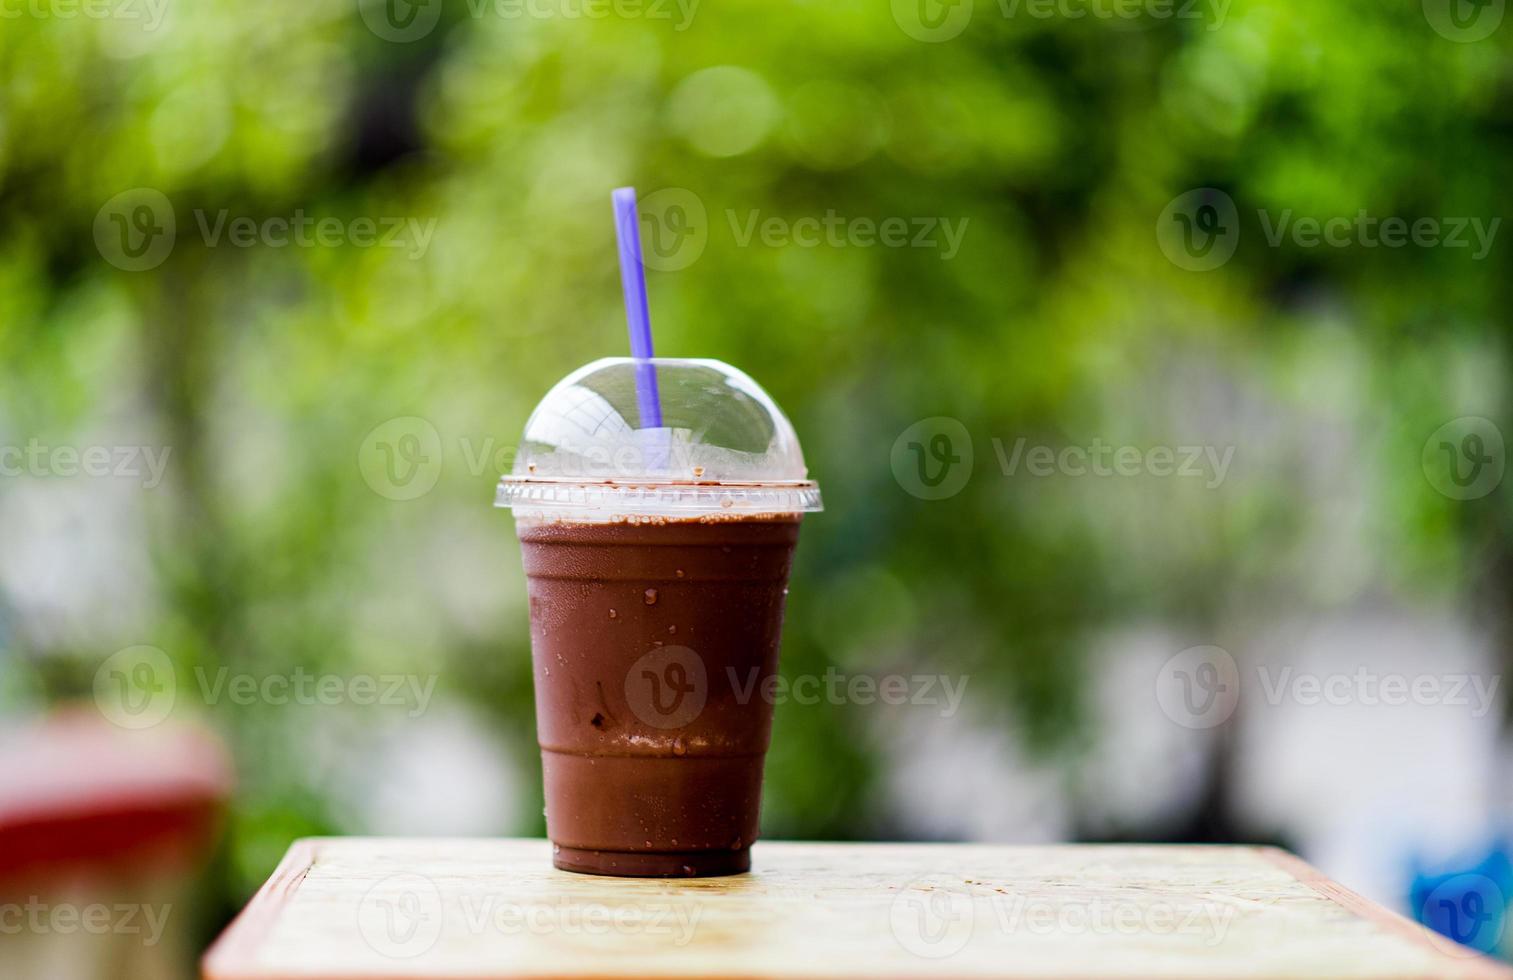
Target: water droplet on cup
x: 651, y: 597
x: 613, y: 614
x: 678, y: 748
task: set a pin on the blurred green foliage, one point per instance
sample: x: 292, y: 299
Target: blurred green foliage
x: 1058, y: 140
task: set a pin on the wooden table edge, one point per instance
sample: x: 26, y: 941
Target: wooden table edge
x: 247, y: 930
x: 1473, y: 964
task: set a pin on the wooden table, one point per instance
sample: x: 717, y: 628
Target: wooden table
x: 371, y: 908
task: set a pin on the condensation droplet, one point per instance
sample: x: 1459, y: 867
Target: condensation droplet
x: 613, y: 614
x: 651, y: 597
x: 672, y: 629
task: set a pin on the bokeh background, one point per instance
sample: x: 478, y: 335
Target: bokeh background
x: 332, y: 414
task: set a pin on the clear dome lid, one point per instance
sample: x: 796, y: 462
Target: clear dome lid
x: 657, y: 437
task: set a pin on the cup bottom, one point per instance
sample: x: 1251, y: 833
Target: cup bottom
x: 652, y: 864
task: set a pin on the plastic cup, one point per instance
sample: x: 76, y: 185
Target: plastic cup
x: 656, y: 561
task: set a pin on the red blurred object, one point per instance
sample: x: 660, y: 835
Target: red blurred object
x: 77, y: 792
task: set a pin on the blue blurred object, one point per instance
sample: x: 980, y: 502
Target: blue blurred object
x: 1468, y: 904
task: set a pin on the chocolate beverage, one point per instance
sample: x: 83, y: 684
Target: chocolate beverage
x: 651, y: 642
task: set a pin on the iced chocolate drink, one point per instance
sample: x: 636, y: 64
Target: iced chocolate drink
x: 656, y: 608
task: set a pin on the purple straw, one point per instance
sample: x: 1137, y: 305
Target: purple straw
x: 637, y: 317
